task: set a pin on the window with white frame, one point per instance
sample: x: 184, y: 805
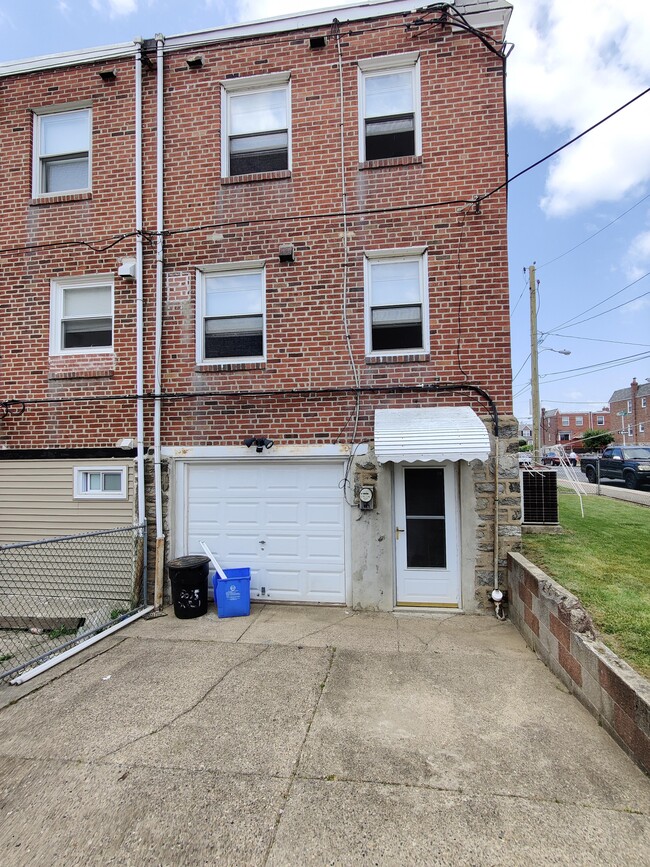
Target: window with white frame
x: 565, y: 437
x: 81, y: 315
x: 389, y: 107
x: 644, y: 402
x: 579, y: 421
x: 630, y: 430
x: 565, y: 421
x: 230, y: 313
x: 629, y: 406
x: 61, y: 151
x: 641, y: 428
x: 396, y: 295
x: 600, y: 421
x: 256, y: 124
x: 100, y: 483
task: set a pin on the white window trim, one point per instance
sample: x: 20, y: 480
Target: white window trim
x: 397, y: 255
x: 566, y: 421
x: 579, y: 421
x: 38, y: 113
x: 380, y: 66
x: 641, y: 427
x: 629, y: 406
x: 232, y: 86
x: 57, y: 288
x: 81, y: 494
x: 644, y: 402
x: 257, y: 266
x: 600, y: 423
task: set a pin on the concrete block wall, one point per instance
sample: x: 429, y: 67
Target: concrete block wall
x: 557, y: 627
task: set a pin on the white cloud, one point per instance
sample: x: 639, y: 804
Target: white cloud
x: 115, y: 8
x: 574, y: 63
x: 637, y: 258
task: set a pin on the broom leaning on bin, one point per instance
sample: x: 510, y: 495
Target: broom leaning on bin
x: 232, y: 588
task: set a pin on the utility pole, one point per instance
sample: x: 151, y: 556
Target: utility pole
x: 534, y: 370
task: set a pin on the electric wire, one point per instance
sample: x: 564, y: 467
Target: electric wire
x: 593, y: 339
x: 603, y: 312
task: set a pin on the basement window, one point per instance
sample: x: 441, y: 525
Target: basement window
x: 396, y: 302
x: 100, y: 483
x: 256, y: 123
x: 389, y: 107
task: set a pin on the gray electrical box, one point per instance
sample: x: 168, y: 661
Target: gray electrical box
x: 367, y: 498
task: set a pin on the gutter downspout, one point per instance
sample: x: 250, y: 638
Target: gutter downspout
x: 139, y: 301
x: 160, y: 537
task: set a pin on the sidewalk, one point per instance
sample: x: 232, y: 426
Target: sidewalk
x: 307, y: 735
x: 613, y: 490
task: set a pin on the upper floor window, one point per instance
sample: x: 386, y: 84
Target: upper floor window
x: 256, y: 124
x: 579, y: 421
x: 630, y: 430
x: 397, y: 309
x: 61, y: 151
x: 389, y: 107
x: 565, y: 437
x: 644, y: 402
x: 642, y: 428
x: 629, y: 406
x: 81, y: 315
x: 565, y: 421
x: 600, y: 421
x: 230, y: 313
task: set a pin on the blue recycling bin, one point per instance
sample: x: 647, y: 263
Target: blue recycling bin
x: 233, y: 593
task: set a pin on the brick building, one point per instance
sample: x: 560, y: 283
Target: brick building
x: 634, y: 426
x: 558, y: 426
x: 246, y: 276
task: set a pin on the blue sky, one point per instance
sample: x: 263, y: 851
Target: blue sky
x: 572, y: 64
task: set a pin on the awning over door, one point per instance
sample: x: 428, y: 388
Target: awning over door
x: 430, y: 434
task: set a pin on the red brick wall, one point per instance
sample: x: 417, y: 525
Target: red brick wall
x: 463, y: 154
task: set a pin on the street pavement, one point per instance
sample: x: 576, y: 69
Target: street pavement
x: 312, y: 736
x: 608, y: 488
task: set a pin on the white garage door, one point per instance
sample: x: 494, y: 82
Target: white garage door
x: 284, y: 520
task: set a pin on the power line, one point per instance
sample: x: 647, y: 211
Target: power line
x: 594, y: 368
x: 609, y: 309
x: 596, y: 339
x: 615, y: 220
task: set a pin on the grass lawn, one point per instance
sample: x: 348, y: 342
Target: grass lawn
x: 604, y: 559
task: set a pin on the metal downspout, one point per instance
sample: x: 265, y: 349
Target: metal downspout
x: 160, y: 537
x: 139, y: 300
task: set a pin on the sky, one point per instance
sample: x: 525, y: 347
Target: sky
x: 582, y: 217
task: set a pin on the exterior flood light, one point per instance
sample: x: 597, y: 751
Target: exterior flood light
x: 260, y: 443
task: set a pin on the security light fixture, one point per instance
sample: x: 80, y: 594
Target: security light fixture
x: 260, y: 443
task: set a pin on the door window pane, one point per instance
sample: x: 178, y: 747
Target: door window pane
x: 424, y: 493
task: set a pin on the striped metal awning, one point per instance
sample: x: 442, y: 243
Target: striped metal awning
x: 452, y: 433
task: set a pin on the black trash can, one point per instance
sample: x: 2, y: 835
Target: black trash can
x: 189, y: 578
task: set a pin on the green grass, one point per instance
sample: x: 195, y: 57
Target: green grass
x: 604, y: 559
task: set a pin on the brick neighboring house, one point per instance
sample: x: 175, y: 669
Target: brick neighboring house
x: 635, y: 402
x: 568, y: 427
x: 295, y: 297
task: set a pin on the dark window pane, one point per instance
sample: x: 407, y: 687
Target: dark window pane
x: 78, y: 333
x: 396, y: 337
x: 234, y: 337
x: 268, y: 152
x: 424, y: 490
x: 425, y: 542
x: 390, y: 137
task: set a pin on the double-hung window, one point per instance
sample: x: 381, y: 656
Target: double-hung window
x: 61, y: 151
x: 600, y: 421
x: 579, y: 421
x: 256, y: 124
x: 565, y: 421
x: 397, y: 309
x: 389, y: 107
x: 81, y: 315
x: 230, y: 313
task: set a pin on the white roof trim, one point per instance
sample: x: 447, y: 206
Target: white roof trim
x: 68, y: 58
x: 439, y: 434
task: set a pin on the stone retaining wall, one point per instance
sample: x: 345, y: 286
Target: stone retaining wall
x: 557, y: 627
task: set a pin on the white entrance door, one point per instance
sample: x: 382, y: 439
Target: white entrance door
x: 426, y: 532
x: 284, y: 520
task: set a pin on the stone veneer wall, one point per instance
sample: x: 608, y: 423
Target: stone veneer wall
x: 557, y: 627
x: 509, y: 508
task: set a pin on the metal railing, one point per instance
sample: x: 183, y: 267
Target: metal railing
x: 58, y: 592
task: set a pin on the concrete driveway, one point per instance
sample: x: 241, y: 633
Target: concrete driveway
x: 318, y: 736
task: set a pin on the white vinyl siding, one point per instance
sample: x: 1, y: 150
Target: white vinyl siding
x: 62, y: 152
x: 37, y: 501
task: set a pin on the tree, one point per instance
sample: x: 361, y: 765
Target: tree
x: 594, y: 440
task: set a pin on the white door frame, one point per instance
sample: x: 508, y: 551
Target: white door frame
x: 179, y: 481
x: 451, y: 596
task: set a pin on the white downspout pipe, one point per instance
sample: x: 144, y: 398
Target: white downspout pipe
x: 160, y: 537
x: 139, y: 300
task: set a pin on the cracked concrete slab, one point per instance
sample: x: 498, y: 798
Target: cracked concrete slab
x: 312, y: 736
x: 370, y: 823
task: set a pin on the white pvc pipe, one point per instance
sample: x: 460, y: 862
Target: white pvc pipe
x: 139, y: 300
x: 44, y: 666
x: 160, y: 538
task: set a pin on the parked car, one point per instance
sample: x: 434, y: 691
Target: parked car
x: 629, y: 463
x: 525, y: 459
x: 551, y: 459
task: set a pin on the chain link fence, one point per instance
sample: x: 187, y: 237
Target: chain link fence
x: 55, y: 593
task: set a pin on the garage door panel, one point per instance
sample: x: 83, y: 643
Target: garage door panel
x: 284, y: 521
